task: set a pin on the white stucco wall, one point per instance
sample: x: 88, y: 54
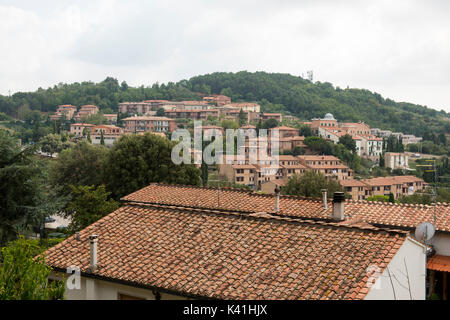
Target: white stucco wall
x: 94, y: 289
x: 413, y: 254
x: 441, y: 243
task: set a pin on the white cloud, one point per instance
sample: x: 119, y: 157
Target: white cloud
x: 400, y: 49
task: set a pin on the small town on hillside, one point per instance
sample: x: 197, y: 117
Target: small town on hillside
x: 163, y: 117
x: 144, y: 156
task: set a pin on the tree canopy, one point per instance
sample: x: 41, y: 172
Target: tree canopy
x: 310, y: 184
x: 137, y: 160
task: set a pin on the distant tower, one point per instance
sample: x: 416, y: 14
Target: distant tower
x: 310, y: 75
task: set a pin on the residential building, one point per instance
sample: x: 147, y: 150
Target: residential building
x: 359, y: 128
x: 148, y: 124
x: 330, y: 166
x: 271, y: 186
x: 111, y: 117
x: 268, y: 115
x: 327, y: 122
x: 320, y: 233
x: 192, y: 114
x: 66, y: 110
x: 238, y: 173
x: 397, y: 185
x: 218, y: 99
x: 410, y: 139
x: 110, y: 134
x: 406, y: 138
x: 376, y: 214
x: 396, y: 160
x: 136, y: 107
x: 86, y: 111
x: 244, y: 106
x: 80, y: 129
x: 284, y: 132
x: 355, y: 189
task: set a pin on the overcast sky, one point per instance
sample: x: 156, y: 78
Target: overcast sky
x: 400, y: 49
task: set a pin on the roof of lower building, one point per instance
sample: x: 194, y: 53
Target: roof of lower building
x: 217, y: 255
x: 390, y: 215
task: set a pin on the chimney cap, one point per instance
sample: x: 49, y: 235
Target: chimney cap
x: 93, y: 237
x: 338, y: 197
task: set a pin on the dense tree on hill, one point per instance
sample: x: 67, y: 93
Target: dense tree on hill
x: 269, y: 123
x: 305, y: 131
x: 348, y: 142
x: 308, y: 100
x: 160, y: 112
x: 51, y: 143
x: 135, y: 161
x: 274, y: 91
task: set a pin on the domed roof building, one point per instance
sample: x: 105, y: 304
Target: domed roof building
x: 329, y: 116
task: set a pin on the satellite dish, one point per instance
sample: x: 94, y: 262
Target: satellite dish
x: 425, y: 231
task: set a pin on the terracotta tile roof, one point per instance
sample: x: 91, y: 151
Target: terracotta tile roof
x: 385, y: 181
x: 439, y: 263
x: 283, y: 157
x: 293, y: 166
x: 229, y: 256
x: 316, y: 158
x: 243, y: 166
x: 145, y: 118
x: 271, y: 114
x: 377, y: 213
x: 327, y: 166
x: 352, y: 183
x: 83, y: 124
x: 284, y: 128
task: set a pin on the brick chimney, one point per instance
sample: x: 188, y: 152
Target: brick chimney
x: 338, y: 206
x: 93, y: 239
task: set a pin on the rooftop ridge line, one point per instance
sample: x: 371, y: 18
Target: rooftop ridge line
x: 268, y: 216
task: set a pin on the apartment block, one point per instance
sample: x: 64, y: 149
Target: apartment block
x: 149, y: 124
x: 86, y: 111
x: 396, y: 160
x: 218, y: 99
x: 79, y: 129
x: 356, y: 190
x: 110, y: 134
x: 330, y: 166
x: 244, y: 106
x: 397, y: 185
x: 66, y: 110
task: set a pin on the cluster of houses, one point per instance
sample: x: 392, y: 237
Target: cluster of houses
x: 271, y: 173
x: 268, y: 173
x: 215, y: 106
x: 69, y: 112
x: 185, y: 242
x: 405, y: 138
x: 367, y: 145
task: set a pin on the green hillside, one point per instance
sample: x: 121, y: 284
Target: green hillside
x: 275, y: 91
